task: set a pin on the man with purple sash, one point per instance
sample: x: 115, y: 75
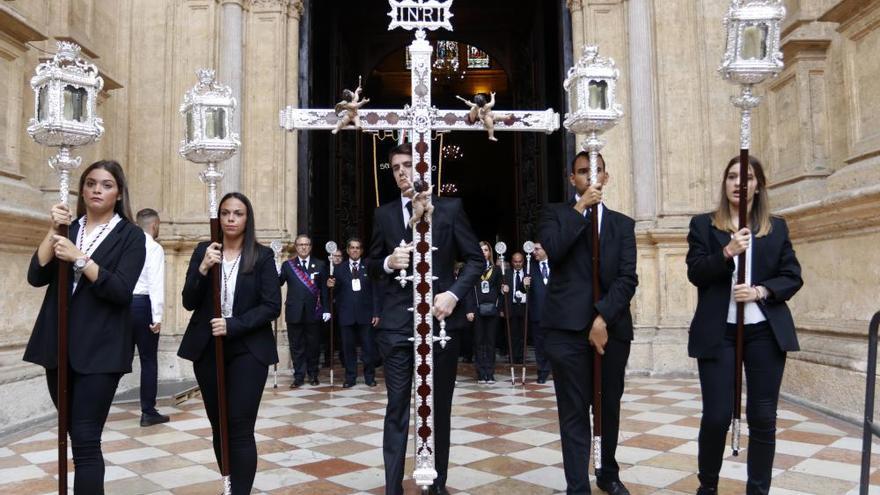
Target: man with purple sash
x: 305, y: 309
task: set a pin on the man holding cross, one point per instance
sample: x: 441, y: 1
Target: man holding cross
x: 453, y: 237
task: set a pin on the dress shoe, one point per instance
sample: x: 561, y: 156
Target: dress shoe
x: 612, y: 487
x: 541, y: 381
x: 348, y: 385
x: 297, y: 383
x: 437, y: 490
x: 490, y: 380
x: 314, y: 381
x: 703, y: 490
x: 153, y: 419
x: 371, y: 383
x: 481, y: 380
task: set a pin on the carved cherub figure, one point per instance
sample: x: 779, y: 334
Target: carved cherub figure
x: 347, y: 109
x: 482, y: 110
x: 421, y: 201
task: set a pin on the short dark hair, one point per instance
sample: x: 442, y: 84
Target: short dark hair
x: 586, y: 155
x: 403, y: 149
x: 145, y: 216
x: 354, y: 239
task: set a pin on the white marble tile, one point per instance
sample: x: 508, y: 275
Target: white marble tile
x: 372, y: 457
x: 204, y: 456
x: 190, y: 475
x: 134, y: 455
x: 464, y: 478
x: 688, y: 448
x: 276, y: 411
x: 548, y: 477
x: 657, y: 417
x: 295, y: 457
x: 852, y: 443
x: 278, y: 478
x: 677, y: 395
x: 813, y: 427
x: 800, y: 449
x: 461, y: 437
x: 374, y: 439
x: 166, y: 438
x: 365, y: 479
x: 190, y: 424
x: 325, y: 424
x: 335, y: 412
x: 539, y: 455
x: 21, y: 473
x: 311, y: 440
x: 462, y: 454
x: 652, y: 476
x: 829, y: 469
x: 634, y: 455
x: 465, y: 422
x: 518, y: 410
x: 531, y: 437
x: 676, y: 431
x: 786, y: 414
x: 113, y: 473
x: 343, y: 401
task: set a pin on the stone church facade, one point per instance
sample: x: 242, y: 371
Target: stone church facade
x: 818, y: 132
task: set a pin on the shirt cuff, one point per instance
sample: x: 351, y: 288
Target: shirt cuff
x: 453, y: 295
x: 386, y: 267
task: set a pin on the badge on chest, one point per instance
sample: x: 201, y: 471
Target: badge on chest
x: 356, y: 285
x: 484, y: 286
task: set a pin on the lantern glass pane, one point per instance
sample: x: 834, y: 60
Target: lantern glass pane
x: 75, y: 103
x: 215, y: 123
x: 754, y: 42
x: 598, y: 95
x: 43, y: 104
x: 190, y: 126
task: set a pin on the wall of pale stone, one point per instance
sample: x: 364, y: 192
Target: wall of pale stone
x: 818, y: 130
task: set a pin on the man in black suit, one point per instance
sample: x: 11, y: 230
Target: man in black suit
x: 452, y: 235
x: 517, y: 293
x: 537, y: 282
x: 305, y: 309
x: 574, y: 325
x: 357, y: 312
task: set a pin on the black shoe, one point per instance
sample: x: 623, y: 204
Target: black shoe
x: 702, y: 490
x: 297, y: 383
x: 371, y: 383
x: 542, y: 380
x: 154, y: 419
x: 612, y: 487
x: 314, y: 381
x: 348, y: 385
x: 437, y: 490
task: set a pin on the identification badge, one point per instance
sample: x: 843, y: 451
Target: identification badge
x: 312, y: 276
x: 484, y: 286
x: 356, y: 285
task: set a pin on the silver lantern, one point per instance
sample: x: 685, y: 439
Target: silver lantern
x: 208, y: 135
x: 752, y: 53
x: 65, y: 93
x: 591, y: 85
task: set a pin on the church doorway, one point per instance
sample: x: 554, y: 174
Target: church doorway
x: 514, y: 48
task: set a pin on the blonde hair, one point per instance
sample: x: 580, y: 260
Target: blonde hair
x: 759, y: 217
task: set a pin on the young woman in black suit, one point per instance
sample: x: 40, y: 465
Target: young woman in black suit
x: 487, y: 296
x: 106, y: 251
x: 251, y: 300
x: 773, y: 276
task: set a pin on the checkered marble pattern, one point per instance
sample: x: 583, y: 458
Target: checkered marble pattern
x: 318, y: 440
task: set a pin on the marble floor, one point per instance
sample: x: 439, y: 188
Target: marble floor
x: 323, y: 440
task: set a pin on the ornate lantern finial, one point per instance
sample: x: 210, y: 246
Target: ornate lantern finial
x: 65, y: 94
x: 753, y: 50
x: 208, y: 138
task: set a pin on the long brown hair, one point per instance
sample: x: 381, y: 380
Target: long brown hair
x: 491, y: 252
x: 249, y: 244
x: 759, y: 218
x: 122, y: 206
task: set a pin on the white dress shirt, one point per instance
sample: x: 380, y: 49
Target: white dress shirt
x: 753, y: 313
x: 89, y: 242
x: 152, y: 280
x: 577, y: 198
x: 228, y: 279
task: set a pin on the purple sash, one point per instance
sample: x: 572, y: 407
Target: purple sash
x: 306, y: 280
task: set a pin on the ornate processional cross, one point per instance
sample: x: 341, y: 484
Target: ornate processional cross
x: 421, y: 119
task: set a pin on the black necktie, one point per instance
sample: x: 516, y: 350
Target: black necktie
x: 544, y: 272
x: 409, y: 209
x: 517, y: 282
x: 354, y: 270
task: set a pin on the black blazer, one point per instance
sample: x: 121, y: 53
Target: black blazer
x: 774, y: 266
x: 537, y: 292
x: 566, y: 236
x: 300, y: 304
x: 451, y: 233
x: 494, y: 295
x: 354, y: 308
x: 99, y: 319
x: 256, y: 304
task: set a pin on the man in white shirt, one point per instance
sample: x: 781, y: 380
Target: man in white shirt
x: 146, y: 313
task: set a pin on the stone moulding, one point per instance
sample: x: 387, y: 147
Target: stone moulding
x: 843, y: 214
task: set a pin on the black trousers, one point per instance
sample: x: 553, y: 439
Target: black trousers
x: 466, y: 347
x: 397, y: 351
x: 764, y: 363
x: 517, y: 324
x: 351, y: 336
x: 304, y: 339
x: 245, y: 379
x: 571, y: 357
x: 147, y: 344
x: 485, y: 328
x: 543, y: 364
x: 89, y: 399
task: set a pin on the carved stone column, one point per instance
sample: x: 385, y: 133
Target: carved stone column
x: 231, y: 60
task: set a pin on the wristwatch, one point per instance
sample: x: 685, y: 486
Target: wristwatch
x: 80, y: 264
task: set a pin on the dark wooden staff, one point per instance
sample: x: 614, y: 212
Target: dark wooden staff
x: 219, y: 357
x: 61, y: 393
x: 507, y: 322
x: 740, y: 306
x: 528, y: 247
x: 597, y: 289
x: 331, y: 247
